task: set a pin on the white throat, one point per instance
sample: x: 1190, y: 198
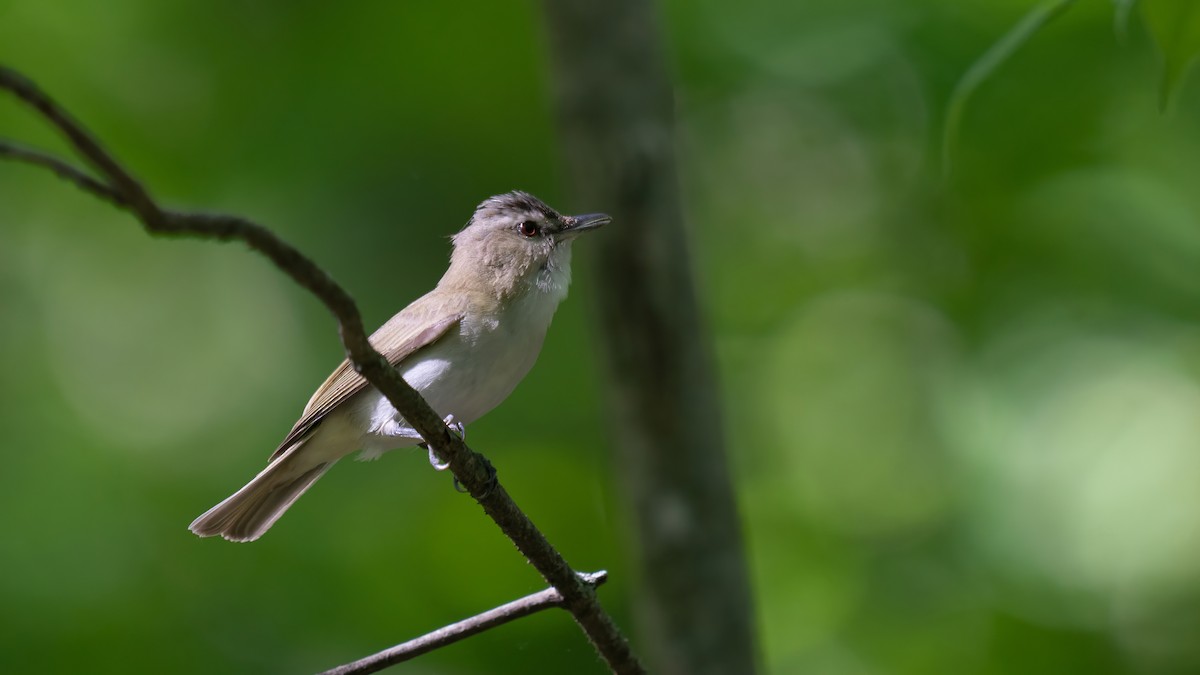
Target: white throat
x: 554, y: 277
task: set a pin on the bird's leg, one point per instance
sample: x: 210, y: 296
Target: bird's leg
x: 457, y: 427
x: 398, y: 428
x: 395, y: 428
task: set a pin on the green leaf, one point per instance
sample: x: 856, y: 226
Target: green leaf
x: 1175, y: 27
x: 997, y: 54
x: 1122, y: 9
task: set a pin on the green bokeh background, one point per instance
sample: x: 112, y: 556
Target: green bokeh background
x: 964, y: 414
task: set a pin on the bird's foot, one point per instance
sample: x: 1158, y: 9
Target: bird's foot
x: 457, y: 427
x: 436, y: 461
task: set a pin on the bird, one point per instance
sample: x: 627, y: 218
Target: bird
x: 464, y: 346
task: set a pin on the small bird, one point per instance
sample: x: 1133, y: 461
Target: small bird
x: 464, y: 346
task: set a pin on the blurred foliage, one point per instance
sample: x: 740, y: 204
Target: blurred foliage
x: 993, y: 58
x: 964, y: 413
x: 1173, y: 24
x: 1175, y: 27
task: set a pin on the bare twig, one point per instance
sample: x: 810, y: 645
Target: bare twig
x: 441, y: 637
x: 63, y: 169
x: 471, y: 469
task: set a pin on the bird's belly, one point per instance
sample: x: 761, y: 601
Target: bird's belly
x: 464, y: 377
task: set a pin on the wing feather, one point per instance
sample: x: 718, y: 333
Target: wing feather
x: 418, y: 325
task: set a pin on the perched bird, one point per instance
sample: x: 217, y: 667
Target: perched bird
x: 464, y: 345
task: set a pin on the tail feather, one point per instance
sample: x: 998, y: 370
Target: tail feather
x: 248, y: 513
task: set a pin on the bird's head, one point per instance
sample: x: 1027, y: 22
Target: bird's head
x: 515, y: 241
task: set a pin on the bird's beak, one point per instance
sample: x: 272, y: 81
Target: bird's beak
x: 576, y: 225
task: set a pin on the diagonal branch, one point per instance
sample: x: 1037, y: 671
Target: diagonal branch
x: 447, y: 635
x: 471, y: 469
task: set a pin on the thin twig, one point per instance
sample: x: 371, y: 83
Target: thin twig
x: 63, y: 169
x: 471, y: 469
x: 441, y: 637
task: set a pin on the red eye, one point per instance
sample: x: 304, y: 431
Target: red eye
x: 529, y: 228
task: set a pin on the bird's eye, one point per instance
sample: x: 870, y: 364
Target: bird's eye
x: 529, y: 228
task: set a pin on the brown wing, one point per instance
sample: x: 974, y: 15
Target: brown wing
x: 417, y: 326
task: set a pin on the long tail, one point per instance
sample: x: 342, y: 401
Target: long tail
x: 248, y: 513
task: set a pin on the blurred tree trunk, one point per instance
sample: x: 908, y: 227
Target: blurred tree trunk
x: 615, y: 109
